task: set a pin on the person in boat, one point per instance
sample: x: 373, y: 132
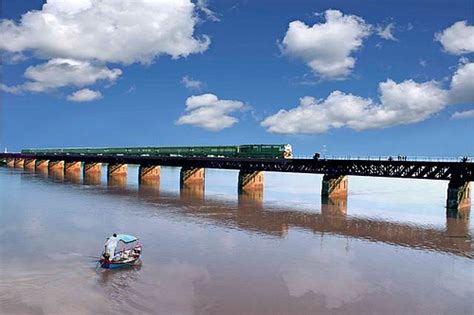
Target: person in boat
x: 110, y: 246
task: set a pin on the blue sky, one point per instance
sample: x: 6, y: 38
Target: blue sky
x: 402, y: 69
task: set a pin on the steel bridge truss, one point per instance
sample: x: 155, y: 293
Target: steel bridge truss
x: 459, y: 171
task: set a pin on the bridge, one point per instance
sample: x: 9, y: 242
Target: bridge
x: 251, y: 170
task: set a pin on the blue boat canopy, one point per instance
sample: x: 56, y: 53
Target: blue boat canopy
x: 127, y: 238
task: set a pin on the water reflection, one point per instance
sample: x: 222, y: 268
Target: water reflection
x: 92, y: 178
x: 221, y: 254
x: 119, y: 182
x: 251, y: 214
x: 193, y: 192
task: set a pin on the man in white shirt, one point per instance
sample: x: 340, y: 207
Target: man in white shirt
x: 110, y: 246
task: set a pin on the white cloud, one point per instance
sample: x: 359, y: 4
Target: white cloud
x: 10, y: 89
x: 209, y: 112
x: 386, y: 32
x: 190, y: 83
x: 106, y: 31
x: 401, y: 103
x: 59, y: 72
x: 203, y: 6
x: 457, y: 39
x: 84, y: 95
x: 467, y: 114
x: 327, y: 47
x: 462, y: 84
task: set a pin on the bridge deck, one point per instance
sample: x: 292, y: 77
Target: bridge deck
x: 440, y: 170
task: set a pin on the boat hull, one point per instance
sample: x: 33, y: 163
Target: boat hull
x: 117, y: 265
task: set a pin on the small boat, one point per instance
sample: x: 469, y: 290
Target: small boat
x: 127, y: 253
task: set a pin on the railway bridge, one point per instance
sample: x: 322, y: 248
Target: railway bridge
x: 251, y: 170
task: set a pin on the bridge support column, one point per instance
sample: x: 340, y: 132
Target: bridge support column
x: 30, y: 164
x: 334, y: 186
x: 92, y: 169
x: 191, y: 176
x: 72, y: 168
x: 10, y: 162
x: 250, y: 180
x: 91, y: 173
x: 41, y: 166
x: 459, y: 198
x: 119, y: 170
x: 56, y: 166
x: 19, y: 163
x: 149, y: 174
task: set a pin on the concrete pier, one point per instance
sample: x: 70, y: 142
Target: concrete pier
x: 148, y: 174
x: 252, y: 180
x: 191, y: 176
x: 19, y: 163
x: 56, y: 166
x: 334, y: 186
x: 117, y: 170
x: 72, y: 168
x: 458, y: 200
x: 10, y: 162
x: 41, y: 166
x: 30, y: 164
x: 92, y: 168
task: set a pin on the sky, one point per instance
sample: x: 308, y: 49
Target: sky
x: 338, y: 77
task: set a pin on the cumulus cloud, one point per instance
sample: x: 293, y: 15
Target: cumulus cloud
x: 386, y: 32
x: 80, y: 37
x: 467, y: 114
x: 209, y: 112
x: 190, y: 83
x: 327, y: 47
x: 457, y: 39
x: 84, y: 95
x: 107, y: 30
x: 462, y: 84
x: 401, y: 103
x: 59, y: 72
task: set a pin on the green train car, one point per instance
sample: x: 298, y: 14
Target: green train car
x: 247, y: 151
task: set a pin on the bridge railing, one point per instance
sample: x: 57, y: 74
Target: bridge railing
x: 390, y: 157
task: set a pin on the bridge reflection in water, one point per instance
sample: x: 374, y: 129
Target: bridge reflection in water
x: 251, y: 214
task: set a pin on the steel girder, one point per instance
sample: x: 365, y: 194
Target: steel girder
x: 462, y: 171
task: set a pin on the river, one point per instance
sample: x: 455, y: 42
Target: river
x: 388, y: 249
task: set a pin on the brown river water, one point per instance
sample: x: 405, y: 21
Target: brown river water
x: 387, y: 249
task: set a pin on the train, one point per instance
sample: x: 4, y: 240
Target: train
x: 232, y: 151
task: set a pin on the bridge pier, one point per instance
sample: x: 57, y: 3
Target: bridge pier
x: 148, y: 174
x: 250, y: 180
x: 459, y: 198
x: 10, y: 162
x: 191, y: 176
x: 91, y: 172
x: 72, y: 168
x: 41, y: 166
x: 334, y: 186
x: 19, y: 163
x: 56, y: 166
x: 30, y: 164
x: 117, y: 170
